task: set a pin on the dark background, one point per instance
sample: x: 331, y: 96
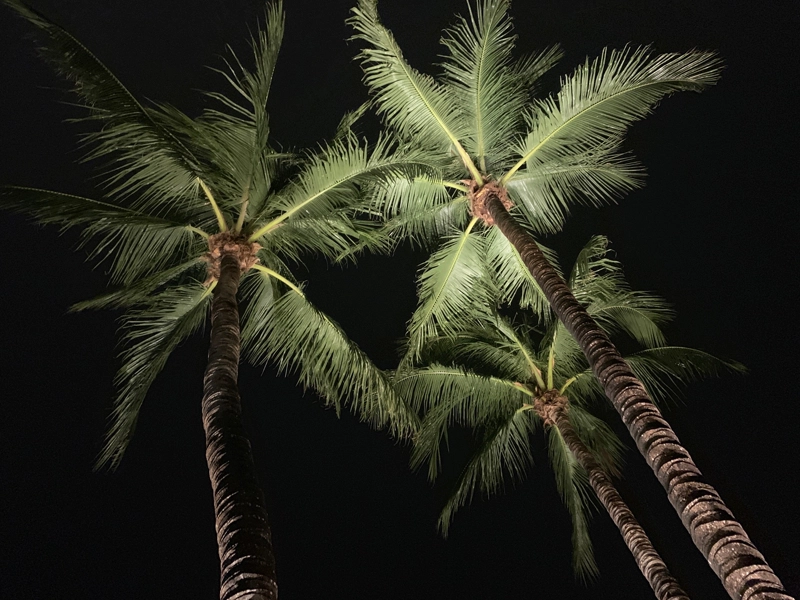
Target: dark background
x: 714, y: 231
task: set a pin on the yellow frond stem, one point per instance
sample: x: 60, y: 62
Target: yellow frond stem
x: 217, y: 212
x: 280, y: 277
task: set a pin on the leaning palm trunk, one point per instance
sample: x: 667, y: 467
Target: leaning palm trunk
x: 247, y: 564
x: 552, y: 407
x: 742, y: 569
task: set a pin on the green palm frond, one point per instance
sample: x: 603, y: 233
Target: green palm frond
x: 293, y: 335
x: 413, y: 104
x: 454, y: 288
x: 504, y: 453
x: 131, y: 136
x: 513, y: 278
x: 139, y: 291
x: 448, y: 396
x: 329, y: 181
x: 603, y: 97
x: 666, y: 369
x: 426, y: 223
x: 477, y: 71
x: 545, y: 192
x: 348, y: 121
x: 573, y: 486
x: 606, y: 448
x: 150, y: 333
x: 528, y: 69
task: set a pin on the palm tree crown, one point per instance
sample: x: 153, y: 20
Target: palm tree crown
x: 480, y: 125
x: 489, y: 379
x: 178, y: 190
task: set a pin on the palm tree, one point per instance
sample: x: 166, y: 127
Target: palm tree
x: 497, y: 380
x: 201, y: 213
x: 500, y: 151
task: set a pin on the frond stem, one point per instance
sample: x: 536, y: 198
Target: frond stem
x: 279, y: 277
x: 199, y: 232
x: 455, y: 186
x: 220, y: 219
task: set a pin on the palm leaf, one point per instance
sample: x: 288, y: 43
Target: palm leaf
x: 411, y: 103
x: 602, y: 98
x: 504, y: 452
x: 150, y: 334
x: 477, y: 70
x: 454, y: 288
x: 131, y: 136
x: 573, y: 486
x: 291, y: 334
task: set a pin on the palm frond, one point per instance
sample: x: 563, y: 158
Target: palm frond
x: 603, y: 97
x: 330, y: 180
x: 573, y: 486
x: 454, y: 288
x: 545, y: 192
x: 412, y: 104
x: 530, y: 68
x: 477, y: 71
x: 514, y: 279
x: 504, y: 453
x: 348, y: 121
x: 665, y: 370
x: 140, y: 291
x: 150, y: 334
x: 131, y: 136
x: 294, y: 336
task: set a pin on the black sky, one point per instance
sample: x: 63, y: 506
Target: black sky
x: 714, y: 231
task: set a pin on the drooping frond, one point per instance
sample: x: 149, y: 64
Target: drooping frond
x: 606, y: 448
x: 150, y: 333
x: 477, y: 71
x: 348, y: 121
x: 637, y: 314
x: 134, y: 243
x: 448, y: 396
x: 427, y: 222
x: 454, y: 288
x: 545, y: 192
x: 513, y: 278
x: 139, y: 291
x: 603, y: 97
x: 291, y: 334
x: 573, y: 486
x: 665, y: 370
x: 504, y: 452
x: 412, y: 104
x: 137, y: 144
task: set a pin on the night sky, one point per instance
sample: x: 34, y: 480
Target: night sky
x: 714, y: 232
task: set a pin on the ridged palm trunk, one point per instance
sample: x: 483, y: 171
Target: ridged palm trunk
x: 553, y: 409
x: 247, y: 565
x: 722, y: 540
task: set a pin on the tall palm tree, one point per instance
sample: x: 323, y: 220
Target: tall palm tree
x: 205, y: 213
x: 498, y: 380
x: 503, y: 152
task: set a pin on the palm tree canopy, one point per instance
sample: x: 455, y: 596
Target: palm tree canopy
x: 485, y: 379
x: 176, y: 187
x: 477, y: 122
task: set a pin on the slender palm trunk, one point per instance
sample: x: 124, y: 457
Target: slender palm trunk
x: 553, y: 408
x: 247, y: 564
x: 717, y: 534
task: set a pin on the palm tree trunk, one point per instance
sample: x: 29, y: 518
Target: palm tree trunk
x: 742, y: 569
x: 553, y: 408
x: 247, y: 565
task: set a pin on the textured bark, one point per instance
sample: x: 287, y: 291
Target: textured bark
x: 553, y: 409
x: 247, y: 565
x: 742, y: 569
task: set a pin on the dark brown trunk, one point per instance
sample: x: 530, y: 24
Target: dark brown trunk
x: 648, y: 560
x: 247, y: 565
x: 722, y: 540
